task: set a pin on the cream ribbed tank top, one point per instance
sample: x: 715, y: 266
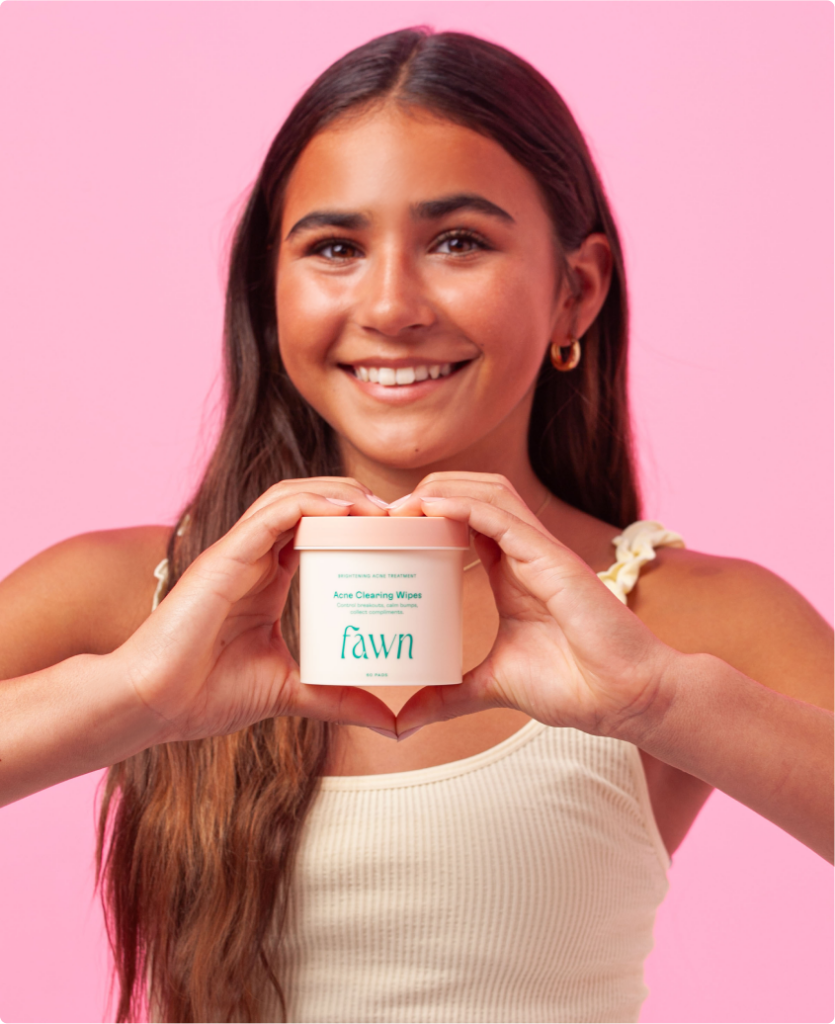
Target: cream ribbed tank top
x: 520, y: 884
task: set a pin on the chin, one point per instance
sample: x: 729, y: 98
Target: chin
x: 406, y: 455
x: 405, y: 460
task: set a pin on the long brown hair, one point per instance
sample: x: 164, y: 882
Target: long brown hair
x: 197, y: 839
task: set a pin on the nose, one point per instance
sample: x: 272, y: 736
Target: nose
x: 392, y: 298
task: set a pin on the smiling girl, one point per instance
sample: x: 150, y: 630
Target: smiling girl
x: 426, y: 315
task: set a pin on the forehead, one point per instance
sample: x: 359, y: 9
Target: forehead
x: 382, y: 161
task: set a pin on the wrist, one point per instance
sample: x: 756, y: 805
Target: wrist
x: 652, y: 715
x: 692, y: 694
x: 75, y: 717
x: 143, y: 726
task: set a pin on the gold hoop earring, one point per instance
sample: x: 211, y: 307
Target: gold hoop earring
x: 568, y: 362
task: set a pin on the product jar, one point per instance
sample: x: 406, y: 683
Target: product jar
x: 381, y: 600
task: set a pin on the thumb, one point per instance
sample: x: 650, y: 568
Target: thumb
x: 441, y: 703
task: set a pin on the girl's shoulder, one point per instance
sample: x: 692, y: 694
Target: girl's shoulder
x: 741, y: 612
x: 84, y: 595
x: 696, y: 598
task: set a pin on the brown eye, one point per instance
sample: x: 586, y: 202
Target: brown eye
x: 336, y: 249
x: 459, y: 243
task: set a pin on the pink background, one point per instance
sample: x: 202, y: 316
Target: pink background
x: 130, y: 133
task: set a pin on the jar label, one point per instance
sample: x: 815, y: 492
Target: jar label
x: 385, y: 618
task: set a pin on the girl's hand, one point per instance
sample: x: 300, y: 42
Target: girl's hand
x: 567, y: 652
x: 211, y: 659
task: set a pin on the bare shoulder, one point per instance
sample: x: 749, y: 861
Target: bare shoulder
x: 87, y: 594
x: 742, y: 613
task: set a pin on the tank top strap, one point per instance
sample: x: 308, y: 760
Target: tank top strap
x: 633, y: 549
x: 161, y: 574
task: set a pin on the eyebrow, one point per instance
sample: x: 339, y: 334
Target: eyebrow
x: 329, y: 219
x: 431, y: 209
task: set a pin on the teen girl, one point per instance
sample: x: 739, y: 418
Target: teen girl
x: 426, y: 315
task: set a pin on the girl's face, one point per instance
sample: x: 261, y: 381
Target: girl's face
x: 417, y: 290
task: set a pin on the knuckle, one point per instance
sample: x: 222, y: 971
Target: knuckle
x: 304, y: 496
x: 278, y: 488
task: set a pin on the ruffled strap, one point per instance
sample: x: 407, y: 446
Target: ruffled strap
x: 633, y: 549
x: 161, y: 573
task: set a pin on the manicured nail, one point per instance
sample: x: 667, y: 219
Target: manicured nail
x: 409, y: 732
x: 400, y: 501
x: 338, y: 501
x: 389, y: 735
x: 378, y: 501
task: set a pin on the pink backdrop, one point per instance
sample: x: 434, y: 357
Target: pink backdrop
x: 129, y: 135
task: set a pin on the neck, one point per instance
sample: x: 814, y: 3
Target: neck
x: 505, y: 454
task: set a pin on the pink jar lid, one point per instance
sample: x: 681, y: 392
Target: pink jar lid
x: 378, y: 533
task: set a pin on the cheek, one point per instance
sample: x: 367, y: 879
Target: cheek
x: 508, y: 316
x: 307, y: 322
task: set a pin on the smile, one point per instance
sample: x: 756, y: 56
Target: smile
x: 390, y: 376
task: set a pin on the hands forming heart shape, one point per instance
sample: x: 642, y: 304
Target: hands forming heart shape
x: 211, y: 659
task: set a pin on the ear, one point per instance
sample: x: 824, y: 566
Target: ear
x: 590, y: 269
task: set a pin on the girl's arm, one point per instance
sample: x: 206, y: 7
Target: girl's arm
x: 771, y: 752
x: 65, y: 706
x: 570, y: 654
x: 69, y: 719
x: 209, y: 661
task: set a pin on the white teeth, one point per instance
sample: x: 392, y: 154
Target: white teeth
x: 389, y: 377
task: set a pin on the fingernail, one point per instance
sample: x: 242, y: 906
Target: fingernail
x: 400, y: 501
x: 409, y: 732
x: 389, y: 735
x: 338, y: 501
x: 378, y: 501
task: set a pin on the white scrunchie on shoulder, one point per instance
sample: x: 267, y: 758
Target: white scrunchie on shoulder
x: 633, y: 549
